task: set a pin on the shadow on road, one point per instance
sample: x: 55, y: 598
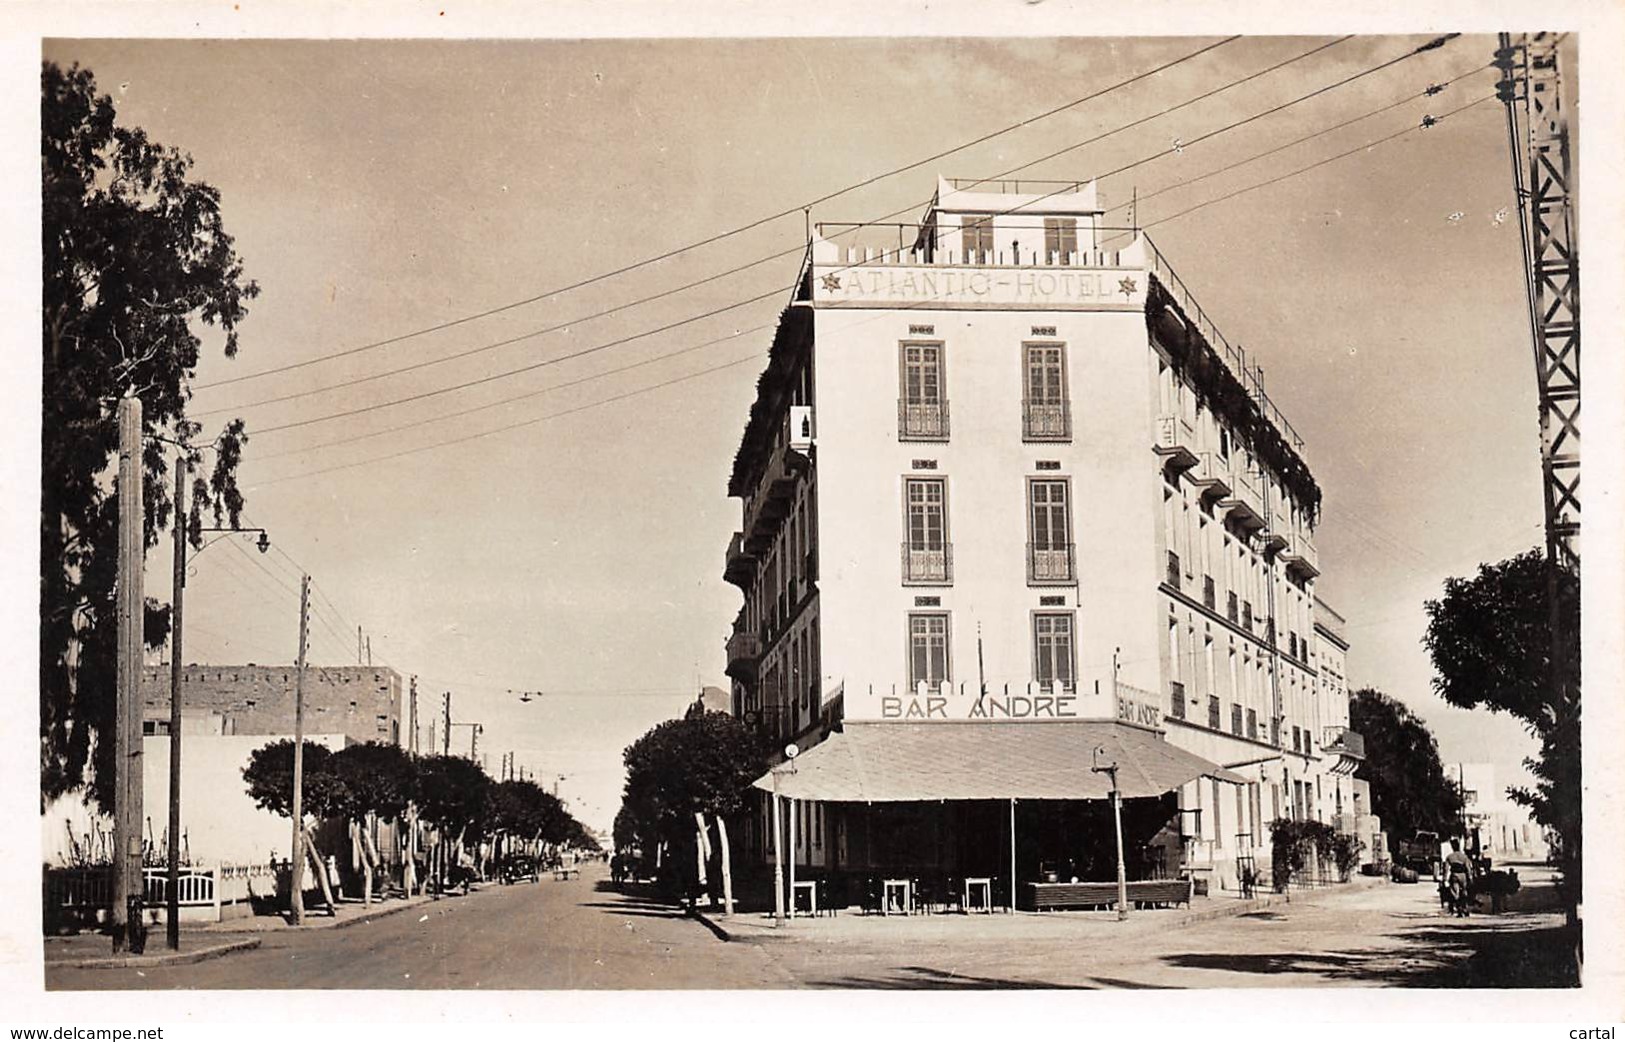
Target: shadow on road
x: 1446, y: 954
x: 926, y: 978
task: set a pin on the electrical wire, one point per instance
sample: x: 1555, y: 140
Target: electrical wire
x: 754, y: 357
x: 758, y: 222
x: 1409, y: 97
x: 710, y: 313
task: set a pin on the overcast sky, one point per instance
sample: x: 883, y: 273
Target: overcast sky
x: 378, y: 188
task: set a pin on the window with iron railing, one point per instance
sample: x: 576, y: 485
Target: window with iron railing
x: 1173, y: 570
x: 1046, y: 413
x: 927, y: 555
x: 1049, y: 554
x: 1176, y: 699
x: 1209, y: 598
x: 922, y: 411
x: 1213, y: 711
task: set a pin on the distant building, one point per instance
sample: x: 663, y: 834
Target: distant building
x: 1490, y: 821
x: 1108, y: 536
x: 363, y: 703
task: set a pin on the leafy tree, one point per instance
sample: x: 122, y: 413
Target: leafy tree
x: 455, y: 793
x: 135, y: 253
x: 1409, y: 790
x: 373, y: 778
x: 702, y: 764
x: 1491, y: 644
x: 269, y: 775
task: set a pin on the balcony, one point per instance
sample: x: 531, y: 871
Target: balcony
x: 1176, y: 441
x: 744, y: 649
x: 1347, y: 746
x: 740, y: 568
x: 928, y: 565
x: 1244, y: 506
x: 1300, y: 556
x: 1212, y: 476
x: 773, y: 498
x: 1276, y: 540
x: 1046, y: 420
x: 1051, y: 563
x: 922, y: 421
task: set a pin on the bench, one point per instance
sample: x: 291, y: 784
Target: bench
x: 1141, y: 893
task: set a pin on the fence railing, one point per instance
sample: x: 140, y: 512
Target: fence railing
x: 924, y: 420
x: 88, y: 890
x: 928, y: 564
x: 1046, y: 420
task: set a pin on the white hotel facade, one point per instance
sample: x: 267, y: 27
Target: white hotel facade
x: 1008, y: 499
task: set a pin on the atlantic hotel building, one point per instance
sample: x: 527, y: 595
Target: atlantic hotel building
x: 1013, y: 510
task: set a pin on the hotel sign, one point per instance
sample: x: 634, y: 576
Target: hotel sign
x: 888, y: 285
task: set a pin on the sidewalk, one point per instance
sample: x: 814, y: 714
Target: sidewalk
x: 853, y: 927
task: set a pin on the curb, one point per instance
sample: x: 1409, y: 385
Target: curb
x: 138, y: 961
x: 1189, y: 919
x: 381, y: 911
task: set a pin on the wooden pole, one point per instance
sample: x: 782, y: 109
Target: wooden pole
x: 172, y: 909
x: 127, y: 873
x: 1012, y: 856
x: 296, y: 879
x: 1122, y: 876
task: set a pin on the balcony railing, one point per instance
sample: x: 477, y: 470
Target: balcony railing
x: 1212, y: 476
x: 1172, y: 578
x: 1176, y: 442
x: 928, y: 564
x: 922, y: 421
x: 1050, y: 564
x: 1046, y: 420
x: 1245, y: 504
x: 1299, y: 556
x: 1344, y: 742
x: 744, y: 648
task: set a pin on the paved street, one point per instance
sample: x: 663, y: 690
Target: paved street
x: 577, y: 934
x: 582, y: 935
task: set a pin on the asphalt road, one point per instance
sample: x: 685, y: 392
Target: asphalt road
x: 583, y: 935
x: 578, y: 934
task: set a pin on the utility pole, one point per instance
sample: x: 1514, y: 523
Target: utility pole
x: 172, y: 899
x: 358, y: 646
x: 447, y: 737
x: 778, y: 856
x: 127, y: 874
x: 369, y: 651
x: 412, y: 732
x: 296, y: 878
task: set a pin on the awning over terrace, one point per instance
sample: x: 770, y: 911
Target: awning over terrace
x: 883, y: 762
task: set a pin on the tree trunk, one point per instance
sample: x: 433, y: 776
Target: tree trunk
x: 321, y: 870
x: 727, y: 867
x: 370, y: 850
x: 359, y: 858
x: 701, y: 849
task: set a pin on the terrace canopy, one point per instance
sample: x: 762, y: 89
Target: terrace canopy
x: 884, y: 762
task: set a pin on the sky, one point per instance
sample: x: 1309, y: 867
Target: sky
x: 380, y: 188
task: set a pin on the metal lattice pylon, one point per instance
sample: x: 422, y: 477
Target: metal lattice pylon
x: 1538, y: 134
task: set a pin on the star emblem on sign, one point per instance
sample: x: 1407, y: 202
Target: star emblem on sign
x: 832, y: 282
x: 1127, y: 287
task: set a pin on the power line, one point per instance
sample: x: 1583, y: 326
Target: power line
x: 531, y: 394
x: 1318, y: 91
x: 758, y: 222
x: 1316, y: 165
x: 754, y: 357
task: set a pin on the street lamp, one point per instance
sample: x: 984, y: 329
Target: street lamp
x: 788, y: 767
x: 1117, y: 823
x: 172, y: 916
